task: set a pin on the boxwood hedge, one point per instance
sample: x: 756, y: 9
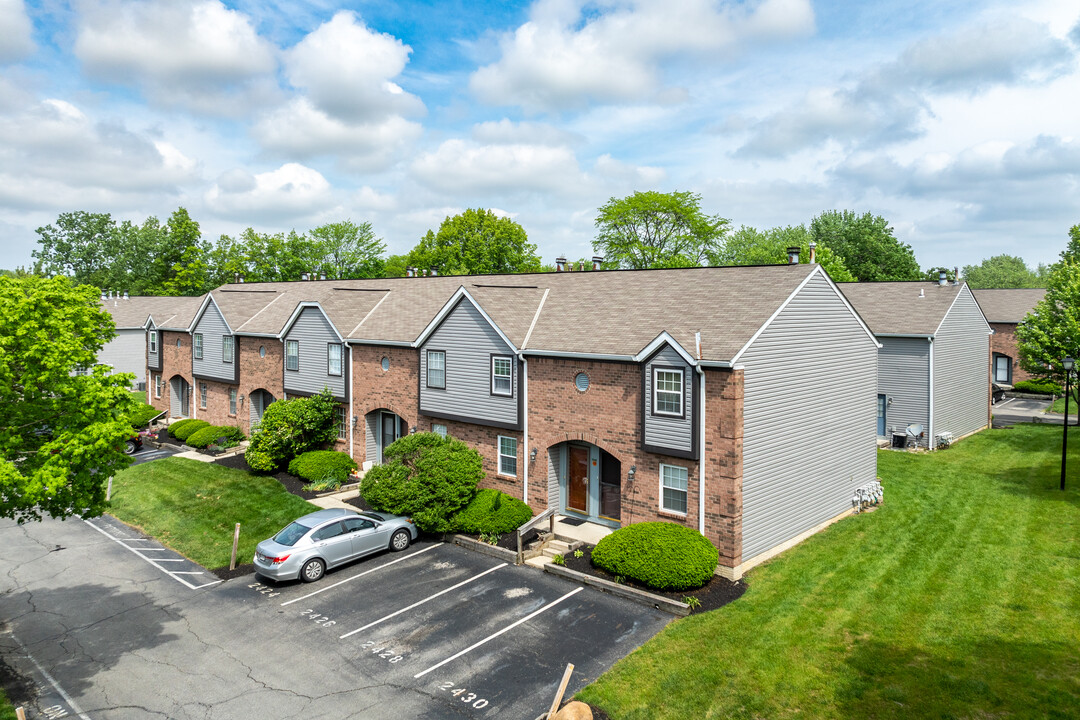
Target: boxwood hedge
x: 183, y: 429
x: 142, y: 415
x: 659, y: 555
x: 214, y: 435
x: 318, y: 465
x: 1041, y: 387
x: 491, y: 511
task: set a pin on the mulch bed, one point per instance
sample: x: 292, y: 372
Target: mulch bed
x: 224, y: 573
x: 292, y: 483
x: 715, y: 594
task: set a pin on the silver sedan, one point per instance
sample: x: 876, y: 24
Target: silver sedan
x: 328, y: 538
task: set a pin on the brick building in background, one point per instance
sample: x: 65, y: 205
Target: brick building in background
x: 1004, y: 310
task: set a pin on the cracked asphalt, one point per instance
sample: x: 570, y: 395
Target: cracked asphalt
x: 93, y: 631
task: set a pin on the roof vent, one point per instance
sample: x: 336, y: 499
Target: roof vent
x: 813, y: 252
x: 793, y: 255
x: 597, y: 261
x: 126, y: 296
x: 560, y: 264
x: 322, y: 276
x: 943, y: 277
x: 304, y: 276
x: 922, y: 293
x: 434, y: 272
x: 956, y: 276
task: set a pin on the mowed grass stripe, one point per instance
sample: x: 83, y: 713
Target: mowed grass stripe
x: 958, y: 598
x: 191, y: 507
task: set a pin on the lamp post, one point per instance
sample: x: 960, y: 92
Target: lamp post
x: 1068, y: 365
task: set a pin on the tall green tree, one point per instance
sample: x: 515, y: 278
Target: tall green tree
x: 749, y: 246
x: 61, y: 433
x: 1003, y: 271
x: 1051, y: 331
x: 867, y: 245
x: 653, y: 229
x: 476, y: 242
x: 1072, y: 250
x: 348, y: 250
x: 81, y: 245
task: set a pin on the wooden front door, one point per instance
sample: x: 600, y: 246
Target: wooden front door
x: 578, y: 480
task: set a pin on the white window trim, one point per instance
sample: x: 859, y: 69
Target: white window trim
x: 197, y: 346
x: 232, y: 400
x: 341, y: 428
x: 157, y: 386
x: 204, y: 391
x: 499, y: 453
x: 445, y: 430
x: 329, y: 358
x: 687, y: 491
x: 510, y: 360
x: 153, y: 341
x: 295, y: 344
x: 656, y: 392
x: 227, y: 343
x: 427, y: 369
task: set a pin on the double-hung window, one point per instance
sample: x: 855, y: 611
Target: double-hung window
x: 508, y: 456
x: 226, y: 348
x: 436, y: 369
x: 438, y: 429
x: 153, y: 341
x: 501, y: 376
x: 157, y: 386
x: 292, y: 354
x: 339, y: 421
x: 202, y: 395
x: 673, y: 488
x: 333, y: 359
x: 667, y: 392
x: 196, y: 342
x: 232, y: 401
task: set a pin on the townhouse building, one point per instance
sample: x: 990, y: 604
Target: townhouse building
x: 1005, y: 309
x: 737, y: 401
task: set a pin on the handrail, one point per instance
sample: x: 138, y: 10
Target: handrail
x: 549, y: 515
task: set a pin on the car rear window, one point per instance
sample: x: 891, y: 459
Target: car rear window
x: 291, y: 534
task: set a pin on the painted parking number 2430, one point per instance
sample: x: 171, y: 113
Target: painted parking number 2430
x: 464, y: 695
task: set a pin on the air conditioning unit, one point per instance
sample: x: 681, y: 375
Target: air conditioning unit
x: 142, y: 386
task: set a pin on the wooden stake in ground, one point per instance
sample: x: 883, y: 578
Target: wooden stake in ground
x: 108, y: 490
x: 235, y: 542
x: 20, y: 713
x: 562, y: 689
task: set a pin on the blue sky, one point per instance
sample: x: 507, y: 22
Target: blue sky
x: 956, y: 121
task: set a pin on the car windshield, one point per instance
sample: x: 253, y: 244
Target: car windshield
x: 291, y: 534
x: 373, y: 516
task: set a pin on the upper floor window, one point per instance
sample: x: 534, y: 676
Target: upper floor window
x: 501, y: 374
x: 292, y: 354
x: 196, y: 342
x: 667, y: 392
x: 333, y: 359
x: 226, y: 348
x: 153, y: 341
x: 436, y: 369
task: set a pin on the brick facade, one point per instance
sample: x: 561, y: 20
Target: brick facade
x: 1004, y: 342
x: 175, y: 360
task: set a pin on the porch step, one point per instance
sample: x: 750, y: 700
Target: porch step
x: 555, y: 547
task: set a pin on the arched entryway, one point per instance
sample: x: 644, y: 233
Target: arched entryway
x: 381, y: 428
x: 585, y: 481
x: 257, y: 403
x: 179, y: 397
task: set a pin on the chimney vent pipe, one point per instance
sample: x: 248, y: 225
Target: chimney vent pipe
x: 322, y: 276
x: 434, y: 272
x: 943, y: 277
x: 303, y: 276
x: 597, y: 261
x: 560, y: 264
x: 126, y: 296
x: 956, y: 276
x: 793, y: 255
x: 241, y: 279
x: 813, y: 252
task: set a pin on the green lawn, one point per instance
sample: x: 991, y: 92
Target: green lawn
x: 7, y: 710
x: 958, y: 598
x: 1059, y: 404
x: 192, y: 506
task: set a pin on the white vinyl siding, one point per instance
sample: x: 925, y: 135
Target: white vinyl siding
x: 961, y: 354
x: 436, y: 369
x: 673, y: 488
x: 214, y: 330
x: 313, y: 352
x: 809, y: 418
x: 128, y: 352
x: 904, y: 378
x: 196, y: 344
x: 501, y: 376
x: 508, y: 456
x: 668, y: 389
x: 292, y: 355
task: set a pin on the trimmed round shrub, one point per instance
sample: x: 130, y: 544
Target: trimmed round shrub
x: 660, y: 555
x: 1041, y: 387
x: 214, y: 435
x: 142, y: 415
x: 185, y: 428
x: 290, y: 428
x: 426, y: 477
x: 319, y: 465
x: 491, y: 511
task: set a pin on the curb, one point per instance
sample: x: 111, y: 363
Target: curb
x: 494, y: 551
x: 639, y: 596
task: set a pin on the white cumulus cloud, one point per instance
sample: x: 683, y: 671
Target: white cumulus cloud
x: 462, y: 166
x: 288, y: 193
x: 16, y: 31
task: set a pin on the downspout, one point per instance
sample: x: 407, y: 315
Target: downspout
x: 525, y: 439
x: 352, y: 393
x: 701, y: 440
x: 930, y: 422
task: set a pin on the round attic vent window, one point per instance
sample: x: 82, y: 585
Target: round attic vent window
x: 177, y: 342
x: 385, y: 364
x: 262, y: 351
x: 581, y: 382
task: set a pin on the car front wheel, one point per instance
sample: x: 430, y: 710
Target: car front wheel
x: 312, y: 570
x: 400, y: 540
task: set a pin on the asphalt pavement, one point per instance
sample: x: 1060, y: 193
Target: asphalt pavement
x: 1020, y: 410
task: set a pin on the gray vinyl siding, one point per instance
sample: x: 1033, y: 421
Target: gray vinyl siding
x: 126, y: 353
x: 904, y: 376
x: 313, y: 332
x: 213, y: 327
x: 553, y: 465
x: 809, y: 410
x: 152, y: 358
x: 371, y: 443
x: 961, y: 354
x: 662, y: 431
x: 469, y: 342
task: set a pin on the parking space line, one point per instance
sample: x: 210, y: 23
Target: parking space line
x: 154, y: 563
x: 425, y: 600
x: 52, y: 681
x: 169, y: 560
x: 392, y: 562
x: 491, y: 637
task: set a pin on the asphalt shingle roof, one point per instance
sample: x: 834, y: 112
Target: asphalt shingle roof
x: 898, y: 308
x: 166, y: 311
x: 1008, y: 305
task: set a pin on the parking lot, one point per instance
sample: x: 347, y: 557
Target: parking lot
x: 473, y: 635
